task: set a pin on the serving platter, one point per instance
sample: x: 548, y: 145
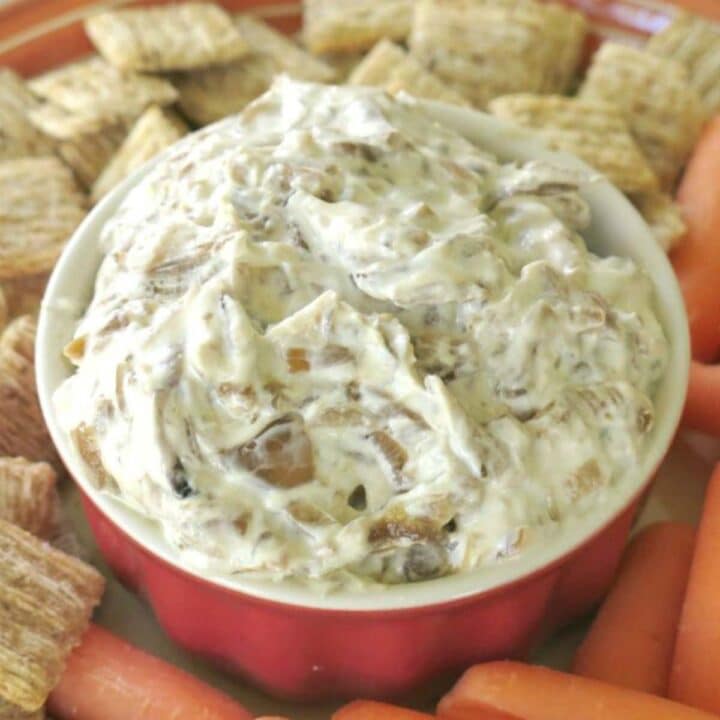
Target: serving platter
x: 36, y: 36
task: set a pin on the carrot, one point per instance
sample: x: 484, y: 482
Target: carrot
x: 707, y: 8
x: 532, y: 692
x: 702, y: 406
x: 697, y: 258
x: 106, y: 678
x: 370, y: 710
x: 695, y: 677
x: 631, y: 640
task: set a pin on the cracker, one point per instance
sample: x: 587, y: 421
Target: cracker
x: 595, y: 131
x: 664, y: 113
x: 95, y: 95
x: 63, y: 536
x: 375, y: 68
x: 694, y: 42
x: 663, y: 216
x: 342, y: 64
x: 22, y: 429
x: 27, y: 495
x: 565, y: 32
x: 484, y: 50
x: 390, y: 67
x: 18, y: 137
x: 4, y: 309
x: 12, y: 712
x: 88, y: 155
x: 288, y: 57
x: 211, y: 94
x: 61, y: 124
x: 23, y: 294
x: 46, y: 598
x: 174, y: 37
x: 19, y: 338
x: 40, y: 207
x: 154, y: 130
x: 331, y: 26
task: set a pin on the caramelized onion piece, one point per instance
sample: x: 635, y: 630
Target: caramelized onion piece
x: 75, y: 350
x: 86, y: 442
x: 334, y: 355
x: 357, y: 499
x: 281, y: 454
x: 391, y: 450
x: 424, y: 561
x: 587, y: 478
x: 297, y: 360
x: 306, y: 513
x: 301, y: 360
x: 396, y: 524
x: 180, y: 483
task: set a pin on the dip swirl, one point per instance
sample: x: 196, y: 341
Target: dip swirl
x: 333, y: 341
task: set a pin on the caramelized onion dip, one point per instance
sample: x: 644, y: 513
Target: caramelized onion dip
x: 333, y: 341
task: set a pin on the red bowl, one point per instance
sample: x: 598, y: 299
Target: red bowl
x: 298, y: 644
x: 308, y: 653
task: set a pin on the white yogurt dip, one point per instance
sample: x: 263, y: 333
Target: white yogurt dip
x: 334, y: 341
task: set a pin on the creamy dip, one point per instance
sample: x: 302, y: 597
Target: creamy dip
x: 331, y: 339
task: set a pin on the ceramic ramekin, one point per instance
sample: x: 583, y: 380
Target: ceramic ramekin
x: 297, y: 643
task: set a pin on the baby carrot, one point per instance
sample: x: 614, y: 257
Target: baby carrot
x: 631, y: 640
x: 702, y: 406
x: 697, y: 257
x: 694, y: 677
x: 532, y: 692
x: 370, y: 710
x: 106, y: 678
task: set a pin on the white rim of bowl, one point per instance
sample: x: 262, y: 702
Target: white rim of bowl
x: 68, y: 292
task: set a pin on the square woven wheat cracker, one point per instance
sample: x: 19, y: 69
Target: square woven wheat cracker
x: 4, y: 309
x: 13, y: 712
x: 662, y: 110
x: 484, y: 50
x: 565, y: 32
x: 211, y: 94
x: 46, y: 598
x: 173, y: 37
x: 342, y: 64
x: 62, y: 533
x: 154, y: 130
x: 40, y: 207
x: 377, y: 66
x: 663, y: 215
x: 331, y: 26
x: 23, y: 294
x: 18, y: 138
x: 89, y: 154
x: 288, y: 57
x: 96, y: 94
x: 695, y: 43
x: 19, y: 338
x: 22, y: 428
x: 390, y: 67
x: 595, y: 131
x: 27, y: 495
x: 61, y: 124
